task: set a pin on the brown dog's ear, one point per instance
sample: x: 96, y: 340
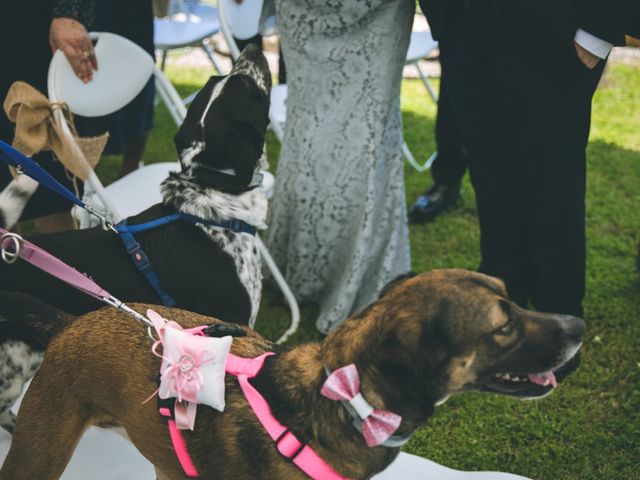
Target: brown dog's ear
x: 389, y: 286
x: 414, y: 346
x: 412, y: 362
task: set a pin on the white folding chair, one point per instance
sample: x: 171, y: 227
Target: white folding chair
x: 105, y: 94
x: 189, y: 24
x: 89, y: 99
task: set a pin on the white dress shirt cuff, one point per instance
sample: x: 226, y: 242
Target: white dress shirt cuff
x: 600, y: 48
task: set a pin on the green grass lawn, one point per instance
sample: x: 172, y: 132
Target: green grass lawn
x: 590, y: 427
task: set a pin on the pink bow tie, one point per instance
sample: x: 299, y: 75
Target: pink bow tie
x: 377, y: 425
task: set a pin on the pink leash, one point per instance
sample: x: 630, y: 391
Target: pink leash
x: 13, y: 246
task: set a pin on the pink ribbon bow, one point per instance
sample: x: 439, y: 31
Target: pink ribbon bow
x: 377, y: 425
x: 180, y: 375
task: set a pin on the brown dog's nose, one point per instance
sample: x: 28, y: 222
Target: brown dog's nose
x: 573, y: 327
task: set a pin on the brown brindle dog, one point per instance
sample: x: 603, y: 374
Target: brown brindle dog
x: 429, y: 336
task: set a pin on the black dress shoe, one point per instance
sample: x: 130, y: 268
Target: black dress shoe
x: 433, y: 202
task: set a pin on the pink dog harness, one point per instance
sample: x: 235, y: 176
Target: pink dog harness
x: 287, y: 444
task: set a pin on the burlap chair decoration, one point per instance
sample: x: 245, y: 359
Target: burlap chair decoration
x: 633, y: 41
x: 36, y: 131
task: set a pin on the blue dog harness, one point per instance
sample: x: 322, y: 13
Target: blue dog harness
x: 142, y: 262
x: 126, y: 232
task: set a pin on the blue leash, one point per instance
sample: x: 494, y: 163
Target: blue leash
x: 23, y: 164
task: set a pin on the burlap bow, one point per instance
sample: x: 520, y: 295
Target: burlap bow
x: 36, y: 131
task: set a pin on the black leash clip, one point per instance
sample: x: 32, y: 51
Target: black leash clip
x: 223, y: 330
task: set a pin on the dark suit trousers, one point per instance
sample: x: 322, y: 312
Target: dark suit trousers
x: 451, y: 163
x: 524, y: 118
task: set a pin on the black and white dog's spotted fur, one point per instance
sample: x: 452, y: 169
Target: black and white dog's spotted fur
x: 14, y: 198
x: 24, y: 339
x: 205, y: 269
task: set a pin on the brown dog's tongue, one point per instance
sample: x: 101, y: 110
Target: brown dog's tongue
x: 544, y: 379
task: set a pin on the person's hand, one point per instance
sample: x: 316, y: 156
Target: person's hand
x: 586, y: 57
x: 72, y: 38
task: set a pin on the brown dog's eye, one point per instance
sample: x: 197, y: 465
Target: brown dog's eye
x: 506, y: 330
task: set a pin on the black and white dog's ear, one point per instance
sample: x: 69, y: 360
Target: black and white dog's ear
x: 191, y: 129
x: 247, y: 108
x: 186, y: 135
x: 245, y: 156
x: 247, y: 103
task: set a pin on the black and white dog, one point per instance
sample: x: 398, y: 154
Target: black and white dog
x: 206, y: 269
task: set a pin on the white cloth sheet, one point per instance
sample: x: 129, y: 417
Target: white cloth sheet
x: 107, y: 455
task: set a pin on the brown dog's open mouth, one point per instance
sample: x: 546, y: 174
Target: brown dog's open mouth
x: 531, y: 385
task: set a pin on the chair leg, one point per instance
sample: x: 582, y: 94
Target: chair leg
x: 164, y: 59
x: 186, y: 101
x: 209, y: 51
x: 286, y: 290
x: 406, y: 151
x: 424, y: 76
x: 170, y: 97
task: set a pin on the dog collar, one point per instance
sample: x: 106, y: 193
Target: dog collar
x: 256, y: 180
x: 225, y: 180
x: 358, y: 418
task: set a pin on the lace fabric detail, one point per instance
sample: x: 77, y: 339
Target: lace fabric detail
x: 337, y: 222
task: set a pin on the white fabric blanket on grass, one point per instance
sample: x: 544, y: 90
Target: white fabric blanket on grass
x: 107, y: 455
